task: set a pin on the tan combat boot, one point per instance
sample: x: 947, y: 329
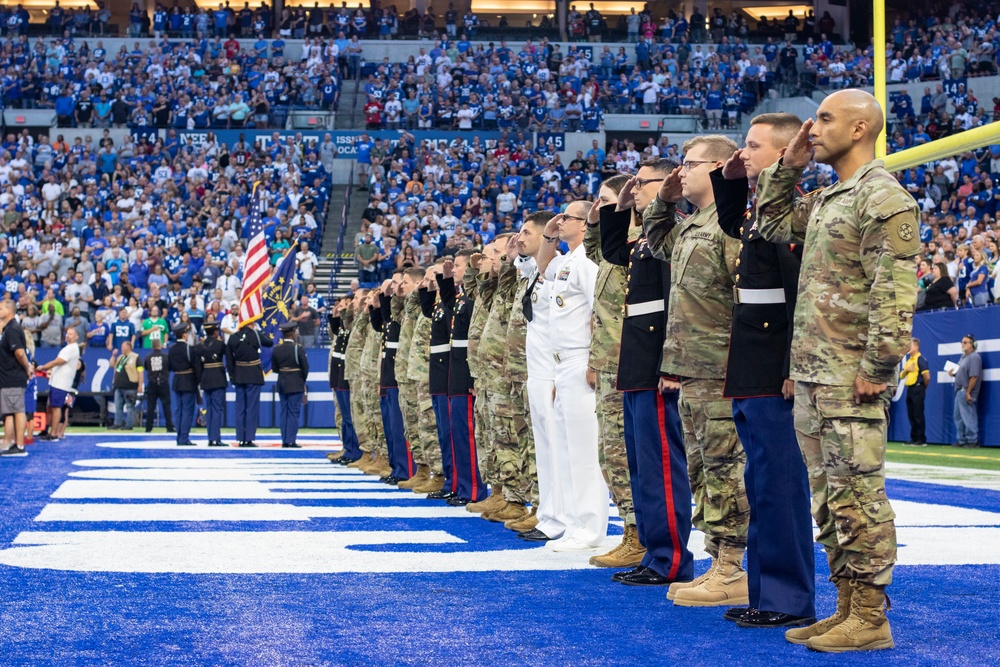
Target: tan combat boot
x: 506, y: 512
x: 433, y: 484
x: 627, y: 554
x: 422, y: 475
x: 523, y: 524
x: 865, y: 629
x: 494, y: 501
x: 727, y: 586
x: 335, y: 456
x: 802, y: 635
x: 383, y: 469
x: 370, y: 462
x: 697, y: 581
x: 361, y: 462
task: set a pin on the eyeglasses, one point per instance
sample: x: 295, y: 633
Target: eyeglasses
x: 643, y: 182
x: 691, y: 164
x: 573, y: 217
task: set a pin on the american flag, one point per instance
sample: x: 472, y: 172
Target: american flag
x: 257, y: 268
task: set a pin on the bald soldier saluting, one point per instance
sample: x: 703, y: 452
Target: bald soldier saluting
x: 852, y: 325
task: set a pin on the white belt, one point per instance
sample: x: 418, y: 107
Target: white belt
x: 338, y: 355
x: 460, y: 343
x: 437, y: 349
x: 392, y: 346
x: 759, y: 296
x: 645, y: 308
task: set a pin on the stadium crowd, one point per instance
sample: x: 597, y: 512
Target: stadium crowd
x: 108, y: 238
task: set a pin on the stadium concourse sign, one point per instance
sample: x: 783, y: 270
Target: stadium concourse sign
x: 345, y: 139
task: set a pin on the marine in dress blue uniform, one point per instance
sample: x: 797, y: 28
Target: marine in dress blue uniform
x: 654, y: 442
x: 291, y: 365
x: 780, y: 563
x: 440, y: 346
x: 467, y: 482
x: 181, y: 360
x: 247, y: 374
x: 211, y: 360
x: 341, y: 333
x: 383, y: 321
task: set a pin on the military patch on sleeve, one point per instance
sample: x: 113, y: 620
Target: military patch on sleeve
x: 901, y: 235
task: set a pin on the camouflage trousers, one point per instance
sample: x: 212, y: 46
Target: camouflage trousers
x: 430, y: 451
x: 843, y: 445
x: 365, y: 438
x: 485, y: 451
x: 372, y: 415
x: 409, y: 406
x: 508, y: 415
x: 716, y: 461
x: 611, y: 445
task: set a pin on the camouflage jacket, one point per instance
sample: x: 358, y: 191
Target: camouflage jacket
x: 485, y: 290
x: 609, y: 300
x: 419, y: 363
x: 356, y: 345
x: 406, y: 327
x: 515, y: 356
x: 857, y: 287
x: 702, y: 267
x: 371, y: 356
x: 492, y: 347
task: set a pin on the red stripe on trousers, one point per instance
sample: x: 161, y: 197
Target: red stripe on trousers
x: 472, y: 448
x: 668, y: 486
x: 409, y: 458
x: 454, y: 471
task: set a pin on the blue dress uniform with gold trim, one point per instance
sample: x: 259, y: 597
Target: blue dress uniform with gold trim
x: 467, y: 483
x: 210, y: 357
x: 247, y: 374
x: 780, y: 566
x: 400, y: 459
x: 440, y: 347
x: 654, y: 442
x: 342, y: 389
x: 291, y: 365
x: 182, y: 362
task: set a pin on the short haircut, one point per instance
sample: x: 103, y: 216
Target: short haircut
x: 660, y: 165
x: 415, y: 272
x: 396, y: 271
x: 783, y: 125
x: 915, y: 341
x: 466, y: 253
x: 539, y: 218
x: 717, y: 147
x: 618, y: 181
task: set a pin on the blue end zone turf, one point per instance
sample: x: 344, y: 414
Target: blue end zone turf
x: 117, y: 556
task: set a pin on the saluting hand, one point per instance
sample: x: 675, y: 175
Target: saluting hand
x: 800, y: 150
x: 626, y: 197
x: 552, y: 226
x: 511, y: 249
x: 476, y: 260
x: 594, y: 214
x: 671, y: 190
x: 448, y: 268
x: 734, y: 167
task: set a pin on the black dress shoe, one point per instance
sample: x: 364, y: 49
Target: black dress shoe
x: 185, y: 444
x: 534, y: 535
x: 617, y: 576
x: 443, y: 494
x: 247, y: 443
x: 291, y: 445
x: 391, y: 480
x: 647, y: 577
x: 458, y: 502
x: 772, y: 619
x: 735, y: 613
x: 217, y: 443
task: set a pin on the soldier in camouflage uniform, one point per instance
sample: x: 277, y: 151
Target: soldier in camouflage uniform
x: 371, y: 360
x: 481, y: 285
x: 505, y: 416
x: 408, y: 394
x: 852, y: 324
x: 352, y: 374
x: 699, y: 318
x: 602, y: 372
